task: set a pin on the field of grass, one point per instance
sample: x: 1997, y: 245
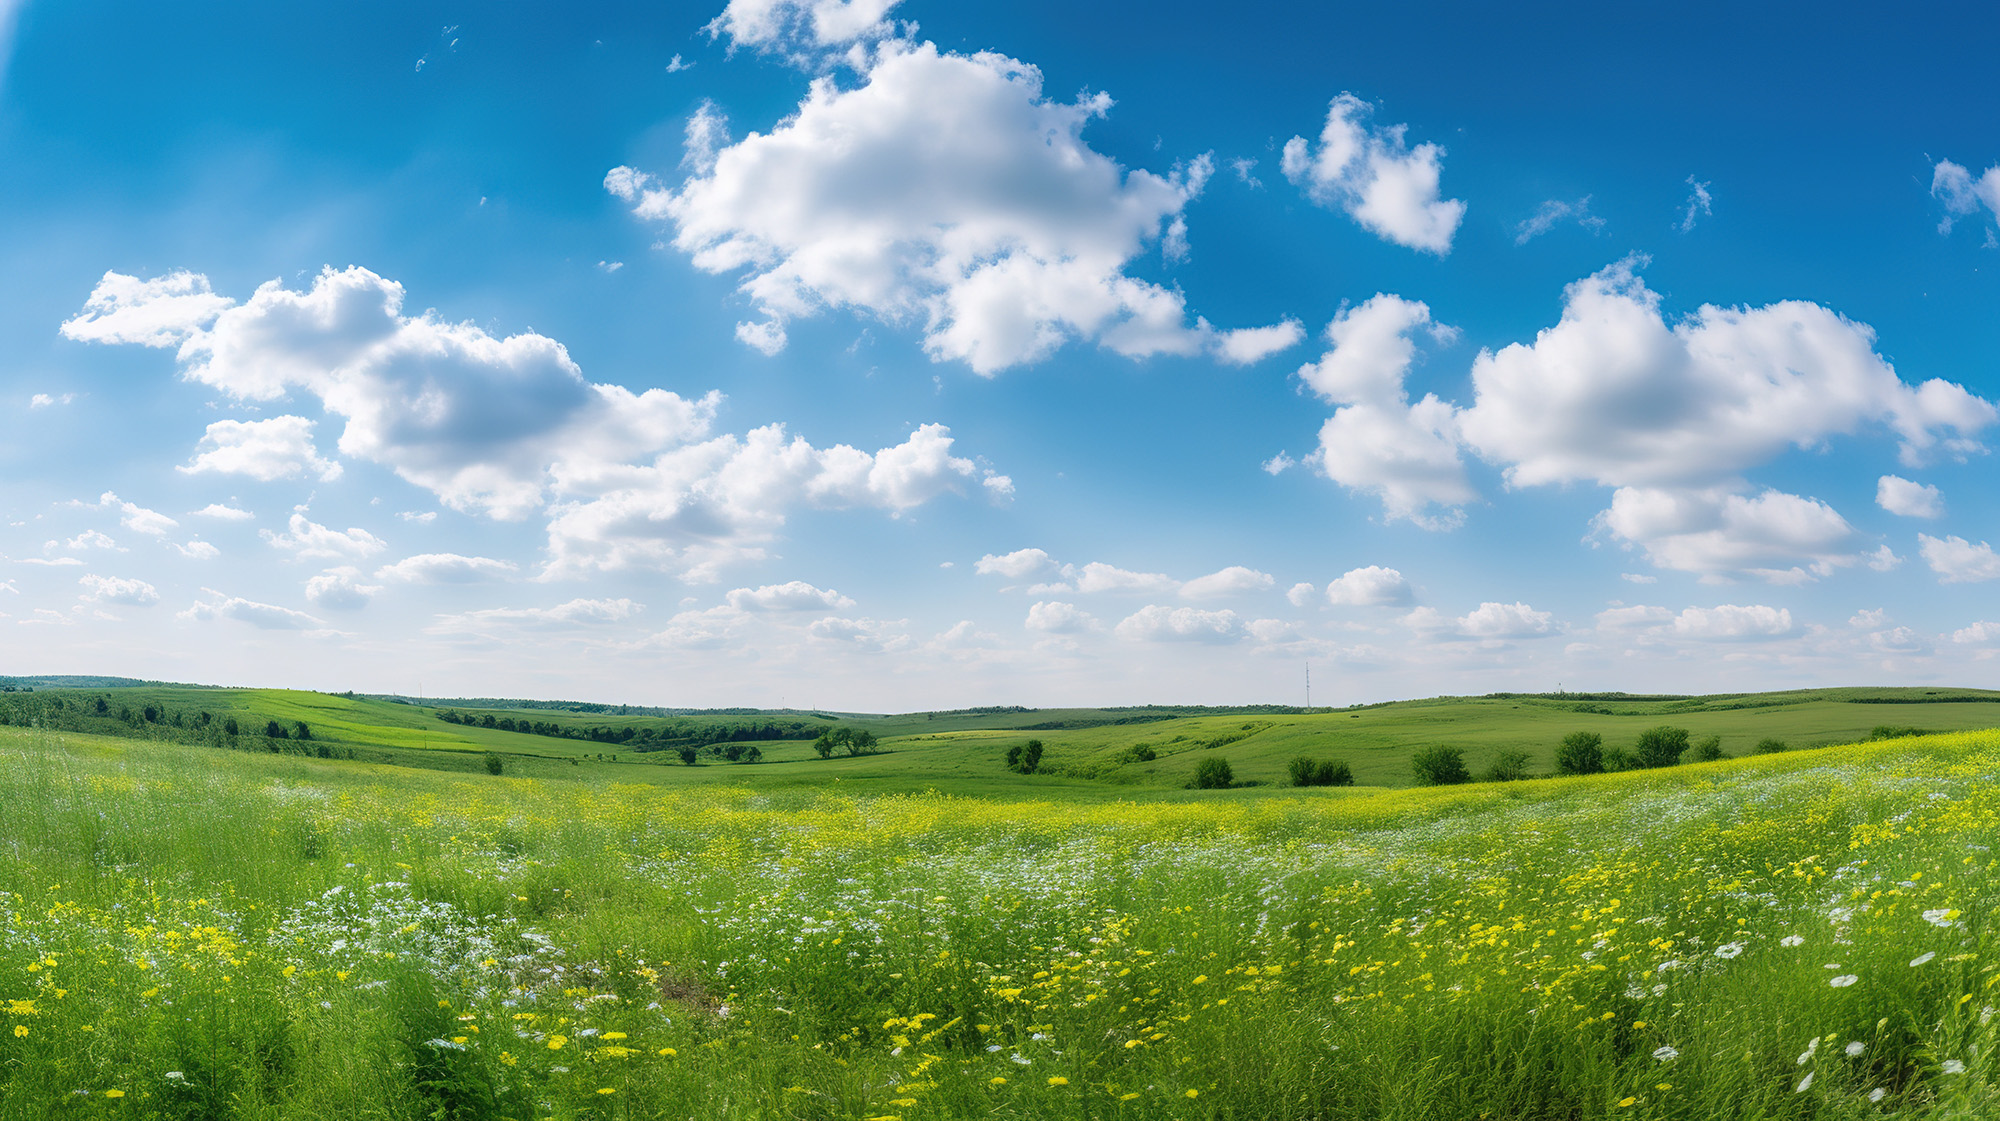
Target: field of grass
x: 187, y: 932
x: 1089, y: 752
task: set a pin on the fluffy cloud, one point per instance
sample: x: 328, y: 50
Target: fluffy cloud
x: 1723, y: 623
x: 1234, y: 580
x: 871, y: 636
x: 1100, y: 577
x: 1962, y: 194
x: 131, y: 515
x: 509, y: 426
x: 1373, y: 174
x: 340, y: 589
x: 711, y: 629
x: 112, y: 589
x: 1669, y: 414
x: 1980, y: 632
x: 1729, y: 621
x: 1506, y: 620
x: 1373, y: 586
x: 1300, y: 594
x: 1017, y: 565
x: 1056, y: 617
x: 1155, y: 623
x: 161, y: 312
x: 1377, y: 441
x: 699, y: 507
x: 1958, y: 561
x: 1910, y: 500
x: 224, y: 513
x: 1613, y: 394
x: 794, y: 25
x: 796, y: 595
x: 279, y: 448
x: 945, y: 192
x: 483, y: 422
x: 264, y: 616
x: 445, y: 568
x: 1718, y: 535
x: 307, y: 538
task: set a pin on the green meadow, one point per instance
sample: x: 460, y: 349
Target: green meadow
x: 368, y: 922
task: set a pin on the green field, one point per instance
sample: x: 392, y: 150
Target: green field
x: 193, y: 931
x: 1088, y: 751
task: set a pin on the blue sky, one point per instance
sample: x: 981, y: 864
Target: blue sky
x: 888, y: 356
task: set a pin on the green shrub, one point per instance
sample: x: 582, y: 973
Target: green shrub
x: 1213, y: 774
x: 1333, y: 773
x: 1439, y: 765
x: 1508, y: 766
x: 1771, y: 745
x: 1896, y: 732
x: 1301, y: 771
x: 1708, y: 750
x: 1139, y: 753
x: 493, y: 763
x: 1662, y: 746
x: 1581, y: 753
x: 1619, y: 759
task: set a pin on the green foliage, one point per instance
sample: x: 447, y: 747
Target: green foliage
x: 1617, y: 759
x: 1304, y: 771
x: 1213, y: 773
x: 1662, y: 746
x: 1581, y: 753
x: 689, y: 753
x: 1025, y: 758
x: 1139, y: 753
x: 1508, y: 766
x: 1708, y: 749
x: 1439, y: 765
x: 1771, y: 745
x: 494, y: 764
x: 1897, y: 732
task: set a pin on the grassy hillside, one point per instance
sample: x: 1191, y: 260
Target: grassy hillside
x: 188, y: 932
x: 1089, y: 752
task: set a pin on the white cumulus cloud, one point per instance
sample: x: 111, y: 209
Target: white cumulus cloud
x: 340, y: 589
x: 1962, y: 193
x: 1372, y: 173
x: 113, y: 589
x: 1057, y: 617
x: 1958, y: 561
x: 264, y: 616
x: 1506, y: 620
x: 1234, y: 580
x: 796, y: 26
x: 1017, y: 565
x: 1730, y: 621
x: 1373, y: 586
x: 794, y: 595
x: 1910, y: 500
x: 1155, y: 623
x: 446, y: 568
x: 164, y: 311
x: 279, y: 448
x: 306, y: 538
x: 946, y: 193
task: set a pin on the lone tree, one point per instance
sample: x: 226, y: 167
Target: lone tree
x: 1662, y: 746
x: 1440, y: 766
x: 688, y: 753
x: 1708, y: 750
x: 1025, y: 758
x: 1508, y: 766
x: 1213, y: 774
x: 1581, y: 753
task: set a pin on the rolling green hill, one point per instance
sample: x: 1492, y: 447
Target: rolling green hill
x: 1090, y: 753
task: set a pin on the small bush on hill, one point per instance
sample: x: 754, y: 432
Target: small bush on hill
x: 1509, y: 766
x: 1320, y: 772
x: 1771, y: 745
x: 493, y: 763
x: 1581, y: 753
x: 1708, y: 750
x: 1213, y: 774
x: 1662, y: 746
x: 1896, y: 732
x: 1619, y: 759
x: 1025, y: 758
x: 1439, y: 765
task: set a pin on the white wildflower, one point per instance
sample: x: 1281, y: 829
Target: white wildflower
x: 1922, y: 959
x: 1877, y: 1094
x: 1855, y: 1047
x: 1804, y: 1084
x: 1843, y: 980
x: 1953, y: 1066
x: 1791, y: 940
x: 1729, y: 949
x: 1666, y: 1054
x: 1941, y: 916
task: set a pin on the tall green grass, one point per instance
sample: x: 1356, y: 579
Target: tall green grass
x: 192, y: 933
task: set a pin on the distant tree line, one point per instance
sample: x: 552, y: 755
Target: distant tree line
x: 648, y: 737
x: 99, y: 715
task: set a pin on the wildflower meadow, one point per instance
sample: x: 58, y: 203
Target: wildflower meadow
x: 192, y: 933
